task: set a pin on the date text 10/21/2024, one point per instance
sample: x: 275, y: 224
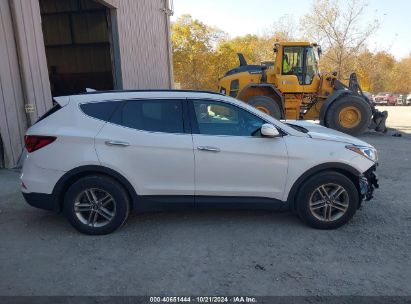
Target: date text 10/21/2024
x: 207, y: 299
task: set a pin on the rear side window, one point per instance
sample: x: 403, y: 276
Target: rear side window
x: 100, y: 110
x: 152, y: 115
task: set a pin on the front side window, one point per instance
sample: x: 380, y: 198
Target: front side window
x: 152, y: 115
x: 218, y: 118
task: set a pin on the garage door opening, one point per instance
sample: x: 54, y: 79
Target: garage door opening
x: 79, y: 45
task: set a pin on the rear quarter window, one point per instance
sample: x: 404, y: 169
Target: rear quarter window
x: 100, y: 110
x: 53, y: 110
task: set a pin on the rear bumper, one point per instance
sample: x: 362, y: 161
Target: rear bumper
x: 38, y: 179
x: 368, y: 183
x: 42, y: 201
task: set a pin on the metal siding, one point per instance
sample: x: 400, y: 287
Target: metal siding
x: 12, y: 117
x: 144, y: 44
x: 30, y: 47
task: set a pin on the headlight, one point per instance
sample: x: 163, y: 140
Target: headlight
x: 368, y: 152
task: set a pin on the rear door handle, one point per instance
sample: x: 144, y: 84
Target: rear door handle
x: 208, y: 148
x: 117, y: 143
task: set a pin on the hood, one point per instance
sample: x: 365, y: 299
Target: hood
x: 317, y: 131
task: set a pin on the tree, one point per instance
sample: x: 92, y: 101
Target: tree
x: 400, y: 80
x: 337, y: 25
x: 193, y: 45
x: 380, y: 72
x: 254, y: 48
x: 362, y: 65
x: 284, y: 28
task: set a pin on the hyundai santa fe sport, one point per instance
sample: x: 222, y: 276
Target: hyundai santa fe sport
x: 99, y: 155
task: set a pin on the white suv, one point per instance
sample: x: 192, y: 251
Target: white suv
x: 97, y: 156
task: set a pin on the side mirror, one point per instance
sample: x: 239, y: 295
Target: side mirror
x: 268, y: 130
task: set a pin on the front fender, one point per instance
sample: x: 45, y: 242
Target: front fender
x: 331, y: 166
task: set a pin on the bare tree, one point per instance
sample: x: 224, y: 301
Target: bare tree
x: 284, y: 28
x: 339, y: 27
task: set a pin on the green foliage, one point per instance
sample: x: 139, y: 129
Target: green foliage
x: 193, y: 45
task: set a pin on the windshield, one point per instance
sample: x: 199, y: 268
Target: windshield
x: 301, y: 62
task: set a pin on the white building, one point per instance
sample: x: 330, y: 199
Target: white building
x: 59, y: 47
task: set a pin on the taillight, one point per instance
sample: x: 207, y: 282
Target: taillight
x: 35, y: 142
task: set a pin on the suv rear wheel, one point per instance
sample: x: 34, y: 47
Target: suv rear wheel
x: 96, y: 205
x: 327, y: 200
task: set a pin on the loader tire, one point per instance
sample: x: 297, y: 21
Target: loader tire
x: 349, y: 114
x: 266, y: 105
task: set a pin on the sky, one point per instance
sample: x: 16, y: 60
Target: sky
x: 241, y: 17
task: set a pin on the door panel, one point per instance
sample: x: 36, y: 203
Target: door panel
x: 245, y: 166
x: 231, y: 157
x: 289, y: 84
x: 155, y: 162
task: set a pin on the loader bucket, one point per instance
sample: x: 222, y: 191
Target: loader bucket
x: 378, y: 120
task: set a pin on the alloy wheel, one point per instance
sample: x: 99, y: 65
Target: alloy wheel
x: 329, y: 202
x: 95, y: 207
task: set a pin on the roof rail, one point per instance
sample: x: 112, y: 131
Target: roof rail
x: 91, y: 92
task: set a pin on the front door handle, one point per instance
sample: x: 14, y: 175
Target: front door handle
x: 208, y: 148
x: 117, y: 143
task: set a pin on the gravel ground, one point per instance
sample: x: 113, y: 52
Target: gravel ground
x: 218, y: 252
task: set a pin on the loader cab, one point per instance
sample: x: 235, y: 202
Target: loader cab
x: 296, y: 66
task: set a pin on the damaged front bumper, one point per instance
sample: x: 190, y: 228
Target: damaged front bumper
x: 368, y: 183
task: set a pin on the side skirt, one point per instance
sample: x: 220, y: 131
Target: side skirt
x: 163, y: 203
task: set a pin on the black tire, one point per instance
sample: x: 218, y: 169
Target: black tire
x: 309, y: 190
x: 270, y: 105
x: 332, y: 118
x: 101, y: 185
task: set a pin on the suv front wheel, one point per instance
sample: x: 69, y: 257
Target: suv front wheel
x: 327, y: 200
x: 96, y: 205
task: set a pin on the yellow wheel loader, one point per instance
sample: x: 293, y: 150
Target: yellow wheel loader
x: 291, y: 87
